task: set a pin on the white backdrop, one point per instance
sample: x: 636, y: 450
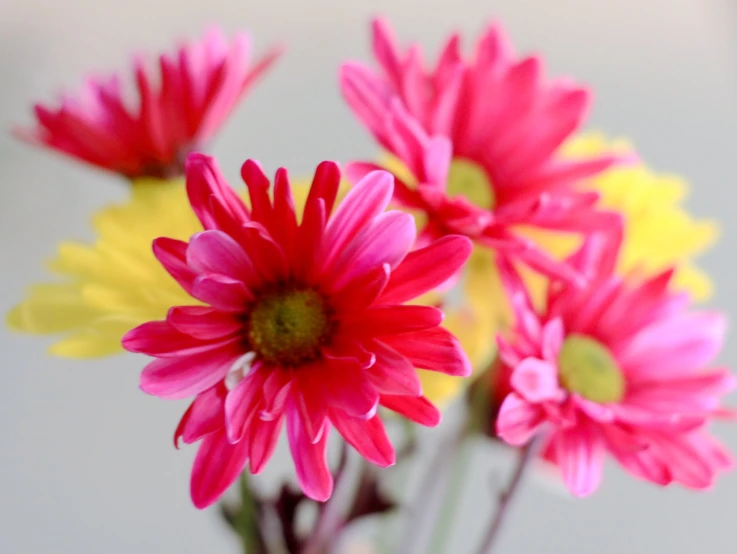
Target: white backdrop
x: 87, y: 464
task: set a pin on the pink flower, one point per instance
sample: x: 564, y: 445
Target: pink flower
x: 303, y: 323
x: 478, y: 140
x: 179, y: 108
x: 618, y: 368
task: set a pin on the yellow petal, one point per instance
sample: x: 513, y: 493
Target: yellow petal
x: 86, y: 345
x: 51, y: 308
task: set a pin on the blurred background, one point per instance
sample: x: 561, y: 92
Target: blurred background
x: 87, y: 464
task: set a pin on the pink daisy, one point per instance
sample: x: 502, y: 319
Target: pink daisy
x: 478, y: 140
x: 303, y: 322
x: 178, y: 109
x: 618, y: 368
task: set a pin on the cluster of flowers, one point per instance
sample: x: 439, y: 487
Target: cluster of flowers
x: 312, y: 305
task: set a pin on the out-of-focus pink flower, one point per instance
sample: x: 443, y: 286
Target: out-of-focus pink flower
x: 301, y: 322
x: 178, y: 108
x: 615, y: 367
x: 477, y: 140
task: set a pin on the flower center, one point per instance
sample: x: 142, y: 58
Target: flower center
x: 588, y: 368
x: 470, y: 180
x: 288, y: 327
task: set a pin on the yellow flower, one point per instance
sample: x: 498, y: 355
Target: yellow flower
x: 115, y: 284
x: 659, y: 232
x: 111, y: 286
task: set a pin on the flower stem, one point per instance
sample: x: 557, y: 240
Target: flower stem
x: 526, y: 455
x: 434, y: 475
x: 453, y: 493
x: 247, y: 520
x: 331, y: 518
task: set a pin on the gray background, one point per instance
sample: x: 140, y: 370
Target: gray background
x: 87, y: 464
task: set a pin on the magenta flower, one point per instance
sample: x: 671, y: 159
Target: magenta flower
x: 477, y: 141
x: 302, y: 322
x: 618, y: 368
x: 178, y: 109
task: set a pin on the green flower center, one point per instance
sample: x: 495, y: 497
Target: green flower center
x: 588, y: 368
x: 470, y: 180
x: 289, y: 327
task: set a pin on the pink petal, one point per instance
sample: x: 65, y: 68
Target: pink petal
x: 362, y: 204
x: 367, y: 437
x: 518, y: 421
x: 386, y: 241
x: 309, y: 401
x: 221, y: 292
x: 216, y: 252
x: 342, y: 384
x: 216, y: 466
x: 204, y: 416
x: 310, y: 460
x: 264, y: 437
x: 536, y: 381
x: 420, y: 271
x: 160, y: 339
x: 390, y: 320
x: 325, y: 185
x: 204, y: 323
x: 419, y: 409
x: 580, y: 456
x: 242, y: 403
x: 435, y: 349
x: 392, y: 373
x: 184, y: 376
x: 363, y: 290
x: 204, y: 180
x: 173, y: 256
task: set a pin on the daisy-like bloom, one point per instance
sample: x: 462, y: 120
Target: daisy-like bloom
x: 114, y: 284
x: 298, y: 322
x: 616, y: 367
x: 179, y: 107
x: 475, y: 143
x: 649, y: 202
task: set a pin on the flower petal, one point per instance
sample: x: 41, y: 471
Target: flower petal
x: 204, y: 416
x: 434, y: 349
x: 518, y: 420
x: 310, y: 460
x: 217, y: 465
x: 424, y: 269
x: 221, y: 292
x: 419, y: 409
x: 580, y: 456
x: 367, y: 437
x: 184, y: 376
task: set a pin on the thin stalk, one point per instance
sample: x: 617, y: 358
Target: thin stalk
x: 526, y: 456
x: 333, y: 514
x: 453, y: 494
x: 247, y: 520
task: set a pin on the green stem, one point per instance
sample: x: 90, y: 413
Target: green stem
x: 452, y: 496
x: 247, y: 522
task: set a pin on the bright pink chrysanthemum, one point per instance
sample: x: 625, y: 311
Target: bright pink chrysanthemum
x: 178, y: 109
x: 303, y: 322
x: 480, y: 138
x: 618, y: 368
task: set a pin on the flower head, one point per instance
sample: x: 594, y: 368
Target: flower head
x: 114, y: 284
x: 302, y: 322
x: 615, y: 367
x: 475, y: 143
x: 179, y: 108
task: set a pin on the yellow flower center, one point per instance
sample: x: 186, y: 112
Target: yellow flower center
x: 588, y: 368
x: 288, y: 327
x: 470, y: 180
